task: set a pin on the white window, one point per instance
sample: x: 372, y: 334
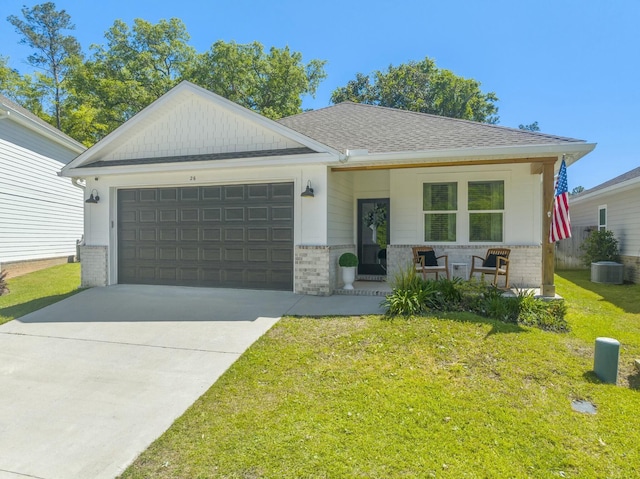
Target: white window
x: 440, y: 207
x: 486, y: 211
x: 602, y: 218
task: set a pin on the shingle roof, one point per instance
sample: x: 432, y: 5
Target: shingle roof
x: 385, y: 130
x: 36, y: 119
x: 629, y: 175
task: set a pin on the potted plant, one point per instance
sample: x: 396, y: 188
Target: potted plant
x: 348, y: 262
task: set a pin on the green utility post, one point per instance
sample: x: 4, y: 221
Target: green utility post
x: 605, y: 359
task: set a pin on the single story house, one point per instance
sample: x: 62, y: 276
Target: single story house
x: 197, y: 190
x: 613, y: 205
x: 41, y: 214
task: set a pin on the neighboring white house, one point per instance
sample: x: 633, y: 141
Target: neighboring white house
x: 41, y: 213
x: 613, y: 205
x: 197, y: 190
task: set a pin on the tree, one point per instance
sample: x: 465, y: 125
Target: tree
x: 576, y: 190
x: 269, y: 83
x: 531, y: 127
x: 421, y: 86
x: 42, y: 29
x: 134, y: 68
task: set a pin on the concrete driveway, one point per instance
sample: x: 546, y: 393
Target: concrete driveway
x: 88, y: 383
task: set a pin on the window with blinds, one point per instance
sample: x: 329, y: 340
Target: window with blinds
x: 440, y: 206
x: 486, y: 211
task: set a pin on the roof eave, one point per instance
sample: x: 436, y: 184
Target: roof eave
x: 22, y: 119
x: 572, y: 151
x: 623, y: 185
x: 260, y: 162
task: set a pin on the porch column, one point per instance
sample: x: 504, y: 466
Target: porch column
x: 548, y: 249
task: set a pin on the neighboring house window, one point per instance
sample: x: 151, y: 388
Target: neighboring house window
x: 486, y: 211
x: 440, y: 206
x: 602, y: 218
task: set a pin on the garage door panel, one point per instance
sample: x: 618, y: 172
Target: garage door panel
x: 234, y: 235
x: 189, y: 194
x: 282, y: 235
x: 191, y: 215
x: 281, y: 256
x: 234, y: 213
x: 258, y: 234
x: 282, y: 213
x: 168, y: 253
x: 168, y: 194
x: 234, y: 193
x: 211, y: 214
x: 258, y: 213
x: 168, y: 216
x: 251, y: 245
x: 148, y: 196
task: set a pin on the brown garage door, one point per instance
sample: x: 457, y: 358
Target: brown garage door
x: 238, y: 236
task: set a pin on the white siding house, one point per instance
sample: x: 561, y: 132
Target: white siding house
x: 613, y: 205
x: 198, y: 191
x: 41, y: 213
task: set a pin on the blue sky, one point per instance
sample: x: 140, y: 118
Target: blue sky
x: 571, y: 65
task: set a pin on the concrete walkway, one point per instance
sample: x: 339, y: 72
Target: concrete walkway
x: 88, y: 383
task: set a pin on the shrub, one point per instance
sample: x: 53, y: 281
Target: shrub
x: 599, y: 246
x: 3, y: 283
x: 544, y: 314
x: 348, y: 260
x: 412, y: 295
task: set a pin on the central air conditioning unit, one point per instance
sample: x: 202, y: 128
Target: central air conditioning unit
x: 607, y: 272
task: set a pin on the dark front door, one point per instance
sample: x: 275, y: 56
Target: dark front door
x: 373, y: 235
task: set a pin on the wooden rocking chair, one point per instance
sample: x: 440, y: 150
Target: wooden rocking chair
x: 496, y: 263
x: 426, y: 261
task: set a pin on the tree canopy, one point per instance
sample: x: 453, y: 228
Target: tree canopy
x: 42, y: 29
x: 530, y: 127
x: 89, y: 97
x: 422, y: 87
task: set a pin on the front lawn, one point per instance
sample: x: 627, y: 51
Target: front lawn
x: 454, y: 396
x: 36, y: 290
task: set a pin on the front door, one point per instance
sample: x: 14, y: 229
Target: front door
x: 373, y: 235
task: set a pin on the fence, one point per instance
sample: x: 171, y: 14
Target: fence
x: 568, y: 254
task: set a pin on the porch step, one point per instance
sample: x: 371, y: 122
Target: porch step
x: 359, y: 292
x: 371, y: 277
x: 365, y: 288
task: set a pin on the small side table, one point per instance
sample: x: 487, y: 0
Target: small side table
x: 460, y: 270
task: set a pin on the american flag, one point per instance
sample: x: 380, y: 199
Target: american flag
x: 560, y: 223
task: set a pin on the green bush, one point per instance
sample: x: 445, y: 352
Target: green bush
x: 599, y: 246
x: 412, y: 295
x: 348, y: 260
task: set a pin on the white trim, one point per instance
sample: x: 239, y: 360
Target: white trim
x: 264, y: 161
x: 606, y: 217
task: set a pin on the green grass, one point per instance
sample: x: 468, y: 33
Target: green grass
x: 456, y: 396
x: 36, y: 290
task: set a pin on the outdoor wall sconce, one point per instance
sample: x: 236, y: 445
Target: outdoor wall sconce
x: 308, y: 193
x: 92, y: 198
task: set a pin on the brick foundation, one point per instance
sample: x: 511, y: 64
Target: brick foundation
x: 95, y: 266
x: 525, y: 270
